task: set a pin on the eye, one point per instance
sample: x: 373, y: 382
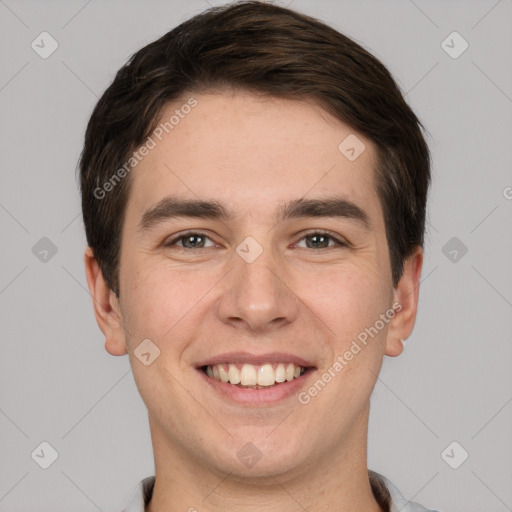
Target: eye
x: 191, y: 240
x: 196, y: 240
x: 320, y: 239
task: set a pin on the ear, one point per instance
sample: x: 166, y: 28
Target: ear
x: 406, y: 295
x: 106, y: 307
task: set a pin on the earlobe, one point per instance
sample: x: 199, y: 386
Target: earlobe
x: 406, y: 294
x: 106, y: 307
x: 394, y: 347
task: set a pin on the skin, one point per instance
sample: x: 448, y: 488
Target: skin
x: 254, y: 153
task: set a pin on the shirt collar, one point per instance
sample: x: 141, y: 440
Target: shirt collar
x: 386, y: 493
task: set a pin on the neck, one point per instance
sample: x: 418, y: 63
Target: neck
x: 337, y: 480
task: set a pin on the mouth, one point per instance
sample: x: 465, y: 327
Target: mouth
x: 250, y: 376
x: 255, y: 380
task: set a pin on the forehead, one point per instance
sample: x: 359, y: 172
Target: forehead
x: 254, y: 153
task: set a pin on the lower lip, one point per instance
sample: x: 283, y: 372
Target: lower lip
x: 262, y: 396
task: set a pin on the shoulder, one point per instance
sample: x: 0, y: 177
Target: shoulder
x: 140, y: 495
x: 387, y: 492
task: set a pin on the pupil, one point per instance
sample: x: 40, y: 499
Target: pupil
x: 316, y: 237
x: 191, y: 237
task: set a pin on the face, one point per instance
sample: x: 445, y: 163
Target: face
x: 286, y: 269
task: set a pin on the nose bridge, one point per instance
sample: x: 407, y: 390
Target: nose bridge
x: 256, y: 292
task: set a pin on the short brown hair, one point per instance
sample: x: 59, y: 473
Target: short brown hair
x: 261, y: 48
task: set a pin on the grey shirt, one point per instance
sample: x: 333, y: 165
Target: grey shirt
x: 386, y: 494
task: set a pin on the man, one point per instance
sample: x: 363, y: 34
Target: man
x: 254, y: 190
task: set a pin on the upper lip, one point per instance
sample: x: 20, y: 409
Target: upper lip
x: 255, y: 359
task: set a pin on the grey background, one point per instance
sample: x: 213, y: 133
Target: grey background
x: 453, y: 382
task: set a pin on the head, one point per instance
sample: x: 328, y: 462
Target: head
x: 281, y: 131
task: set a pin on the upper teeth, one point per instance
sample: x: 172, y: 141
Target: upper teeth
x: 251, y: 375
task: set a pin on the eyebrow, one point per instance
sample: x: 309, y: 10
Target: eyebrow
x: 173, y: 207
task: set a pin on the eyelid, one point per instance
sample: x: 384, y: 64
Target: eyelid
x: 179, y: 236
x: 340, y: 241
x: 334, y: 236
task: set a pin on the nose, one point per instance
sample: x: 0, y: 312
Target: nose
x: 257, y: 295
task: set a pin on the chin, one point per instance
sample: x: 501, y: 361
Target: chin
x: 260, y: 454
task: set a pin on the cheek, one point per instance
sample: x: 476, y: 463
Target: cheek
x: 160, y: 298
x: 146, y: 311
x: 347, y: 299
x: 351, y: 306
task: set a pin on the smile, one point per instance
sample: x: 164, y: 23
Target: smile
x: 253, y: 380
x: 254, y: 376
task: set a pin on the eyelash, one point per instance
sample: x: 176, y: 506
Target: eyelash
x: 328, y: 234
